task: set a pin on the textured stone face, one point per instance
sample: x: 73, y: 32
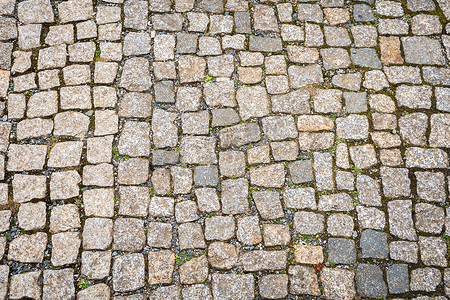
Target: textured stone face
x: 224, y: 149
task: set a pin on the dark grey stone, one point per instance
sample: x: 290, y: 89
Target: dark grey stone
x: 164, y: 92
x: 341, y: 251
x: 369, y: 281
x: 374, y: 244
x: 363, y: 13
x: 206, y: 176
x: 398, y: 278
x: 423, y: 50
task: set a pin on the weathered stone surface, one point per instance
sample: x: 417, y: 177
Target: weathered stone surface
x: 239, y: 135
x: 161, y: 265
x: 369, y: 281
x: 25, y: 285
x: 136, y: 75
x: 95, y: 264
x: 65, y: 247
x: 58, y: 284
x: 231, y: 286
x: 273, y: 286
x: 268, y: 176
x: 28, y: 248
x: 26, y: 157
x: 128, y: 272
x: 338, y: 283
x: 199, y: 147
x: 248, y: 231
x: 425, y: 279
x: 303, y: 280
x: 198, y: 150
x: 422, y: 50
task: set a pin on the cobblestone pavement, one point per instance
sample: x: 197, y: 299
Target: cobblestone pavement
x: 209, y: 149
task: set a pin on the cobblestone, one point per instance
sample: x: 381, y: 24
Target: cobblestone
x: 219, y: 149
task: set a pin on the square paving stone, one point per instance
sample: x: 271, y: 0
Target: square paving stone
x: 134, y: 201
x: 182, y: 179
x: 306, y: 254
x: 300, y: 198
x: 65, y: 247
x: 370, y: 218
x: 28, y: 187
x: 301, y: 171
x: 191, y: 236
x: 58, y: 284
x: 425, y: 279
x: 220, y: 228
x: 268, y: 176
x: 186, y: 211
x: 206, y: 175
x: 422, y: 50
x: 374, y: 244
x: 338, y: 283
x: 429, y: 218
x: 395, y: 182
x: 161, y: 207
x: 161, y: 181
x: 95, y: 264
x: 160, y: 266
x: 222, y: 255
x: 32, y: 216
x: 308, y: 222
x: 249, y: 232
x: 25, y: 285
x: 26, y: 157
x: 340, y: 225
x: 341, y: 251
x: 369, y: 281
x: 159, y: 235
x: 234, y: 196
x: 128, y: 272
x: 433, y: 251
x: 276, y: 235
x: 98, y: 175
x: 198, y: 150
x: 98, y: 291
x: 64, y: 217
x: 398, y: 278
x: 99, y: 203
x: 194, y: 271
x: 268, y: 204
x: 207, y: 199
x: 28, y: 248
x: 430, y: 186
x: 404, y: 251
x: 65, y: 154
x: 129, y: 234
x: 133, y: 171
x: 273, y: 286
x: 233, y: 286
x: 232, y: 163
